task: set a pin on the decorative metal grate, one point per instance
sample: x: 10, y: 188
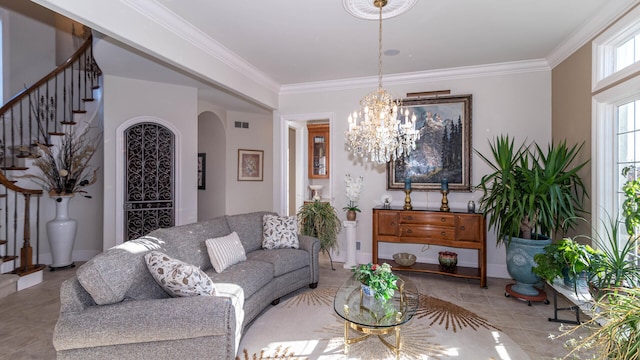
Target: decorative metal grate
x: 149, y: 182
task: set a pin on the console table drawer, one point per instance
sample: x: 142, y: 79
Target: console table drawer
x: 428, y: 219
x: 433, y: 232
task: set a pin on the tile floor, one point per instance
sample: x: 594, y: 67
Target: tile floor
x: 27, y: 318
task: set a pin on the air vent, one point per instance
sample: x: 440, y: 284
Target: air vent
x: 241, y: 125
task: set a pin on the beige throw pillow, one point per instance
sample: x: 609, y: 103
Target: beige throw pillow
x: 225, y: 251
x: 178, y: 278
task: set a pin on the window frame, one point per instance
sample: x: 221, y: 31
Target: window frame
x: 610, y: 90
x: 604, y: 49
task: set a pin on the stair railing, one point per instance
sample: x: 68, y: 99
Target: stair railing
x: 27, y: 265
x: 40, y: 111
x: 30, y: 118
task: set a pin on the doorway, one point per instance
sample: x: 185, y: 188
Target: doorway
x: 295, y: 188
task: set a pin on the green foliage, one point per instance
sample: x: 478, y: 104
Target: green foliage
x: 377, y: 277
x: 631, y: 204
x: 614, y: 267
x: 564, y: 254
x: 619, y: 335
x: 320, y: 220
x: 530, y: 190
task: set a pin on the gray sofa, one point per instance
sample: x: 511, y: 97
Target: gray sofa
x: 114, y: 309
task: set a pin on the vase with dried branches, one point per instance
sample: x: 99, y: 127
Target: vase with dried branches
x: 65, y: 170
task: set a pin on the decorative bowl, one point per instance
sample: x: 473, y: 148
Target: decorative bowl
x: 404, y: 259
x: 448, y: 261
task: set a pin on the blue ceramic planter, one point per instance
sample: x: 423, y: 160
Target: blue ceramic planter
x: 520, y: 253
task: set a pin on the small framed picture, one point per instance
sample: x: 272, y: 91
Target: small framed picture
x: 202, y: 171
x: 250, y: 165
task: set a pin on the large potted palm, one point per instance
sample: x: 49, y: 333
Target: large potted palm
x: 529, y: 195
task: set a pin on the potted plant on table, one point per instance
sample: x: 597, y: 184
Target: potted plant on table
x: 529, y: 195
x: 319, y: 219
x: 567, y: 259
x: 379, y: 278
x: 614, y: 331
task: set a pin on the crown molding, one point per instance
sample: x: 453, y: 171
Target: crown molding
x: 608, y: 15
x: 173, y: 23
x: 466, y: 72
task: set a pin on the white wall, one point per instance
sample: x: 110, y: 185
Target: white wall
x: 212, y: 141
x: 29, y: 38
x: 246, y: 196
x: 128, y: 99
x: 517, y: 103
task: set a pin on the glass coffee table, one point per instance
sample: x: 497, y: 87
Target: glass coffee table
x: 369, y: 316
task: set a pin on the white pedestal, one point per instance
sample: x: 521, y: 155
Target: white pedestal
x: 350, y: 226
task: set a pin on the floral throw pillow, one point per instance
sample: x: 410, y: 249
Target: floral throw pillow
x: 279, y: 232
x: 178, y: 278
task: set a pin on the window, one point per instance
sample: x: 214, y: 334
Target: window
x: 616, y: 52
x: 627, y: 53
x: 616, y: 127
x: 628, y: 150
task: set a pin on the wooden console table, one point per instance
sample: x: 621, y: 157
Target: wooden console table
x: 451, y: 229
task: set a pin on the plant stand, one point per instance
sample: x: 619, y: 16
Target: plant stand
x: 351, y: 243
x: 542, y: 296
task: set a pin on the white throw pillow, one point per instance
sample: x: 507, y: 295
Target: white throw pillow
x: 225, y: 251
x: 178, y: 278
x: 279, y: 232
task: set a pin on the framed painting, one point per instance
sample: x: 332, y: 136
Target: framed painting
x: 202, y: 171
x: 250, y: 165
x: 443, y: 151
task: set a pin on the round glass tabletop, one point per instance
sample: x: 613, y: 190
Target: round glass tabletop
x: 354, y: 306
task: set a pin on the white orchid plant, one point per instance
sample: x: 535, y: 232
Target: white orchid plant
x: 354, y: 188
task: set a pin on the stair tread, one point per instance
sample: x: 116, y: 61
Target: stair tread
x: 2, y: 242
x: 8, y: 168
x: 30, y: 270
x: 56, y: 133
x: 68, y: 122
x: 79, y: 111
x: 8, y: 258
x: 88, y: 99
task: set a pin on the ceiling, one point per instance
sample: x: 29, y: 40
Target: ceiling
x: 294, y: 41
x: 290, y: 44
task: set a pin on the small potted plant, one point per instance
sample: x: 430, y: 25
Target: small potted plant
x: 354, y: 187
x: 616, y: 266
x: 566, y: 259
x: 378, y: 278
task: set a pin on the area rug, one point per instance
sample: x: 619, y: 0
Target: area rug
x: 305, y: 326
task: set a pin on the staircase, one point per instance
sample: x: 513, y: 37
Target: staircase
x: 36, y: 117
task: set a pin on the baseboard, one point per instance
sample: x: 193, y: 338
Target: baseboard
x: 78, y: 255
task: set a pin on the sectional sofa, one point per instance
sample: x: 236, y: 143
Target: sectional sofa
x: 114, y: 308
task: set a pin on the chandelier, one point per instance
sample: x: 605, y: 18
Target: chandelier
x: 381, y: 131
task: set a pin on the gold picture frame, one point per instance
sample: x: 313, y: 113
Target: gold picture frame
x: 443, y: 150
